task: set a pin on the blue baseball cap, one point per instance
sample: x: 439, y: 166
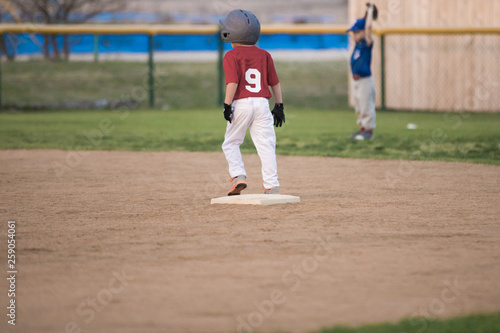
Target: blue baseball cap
x: 359, y: 25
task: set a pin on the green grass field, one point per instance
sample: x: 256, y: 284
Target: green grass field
x: 311, y: 91
x: 467, y: 324
x: 317, y: 85
x: 444, y: 137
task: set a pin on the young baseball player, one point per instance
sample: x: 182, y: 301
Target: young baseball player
x: 249, y: 74
x: 364, y: 85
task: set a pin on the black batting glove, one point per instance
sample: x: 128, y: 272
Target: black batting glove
x: 228, y: 112
x: 278, y: 114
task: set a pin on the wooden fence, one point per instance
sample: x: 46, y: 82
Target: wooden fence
x: 429, y: 69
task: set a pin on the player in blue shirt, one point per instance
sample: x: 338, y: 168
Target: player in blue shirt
x: 364, y: 85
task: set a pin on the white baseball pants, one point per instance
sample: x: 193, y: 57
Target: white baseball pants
x: 364, y: 102
x: 252, y: 113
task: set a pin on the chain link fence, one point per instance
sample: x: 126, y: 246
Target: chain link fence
x: 419, y: 70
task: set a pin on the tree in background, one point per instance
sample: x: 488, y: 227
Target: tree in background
x: 60, y: 12
x: 5, y: 40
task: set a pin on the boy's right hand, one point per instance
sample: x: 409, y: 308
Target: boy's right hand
x: 228, y: 112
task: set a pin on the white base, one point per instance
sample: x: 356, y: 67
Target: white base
x: 256, y: 199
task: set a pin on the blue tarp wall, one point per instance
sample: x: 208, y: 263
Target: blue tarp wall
x: 30, y: 45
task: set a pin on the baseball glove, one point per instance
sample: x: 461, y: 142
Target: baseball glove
x: 375, y: 10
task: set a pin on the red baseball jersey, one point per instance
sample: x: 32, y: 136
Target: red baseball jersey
x: 252, y: 69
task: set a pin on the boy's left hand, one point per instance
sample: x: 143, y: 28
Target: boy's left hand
x: 278, y: 114
x: 228, y: 112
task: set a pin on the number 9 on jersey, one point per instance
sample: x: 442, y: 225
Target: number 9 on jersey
x: 252, y: 76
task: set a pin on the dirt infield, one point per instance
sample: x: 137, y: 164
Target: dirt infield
x: 128, y: 242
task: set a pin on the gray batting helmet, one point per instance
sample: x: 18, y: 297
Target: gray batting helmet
x: 240, y: 26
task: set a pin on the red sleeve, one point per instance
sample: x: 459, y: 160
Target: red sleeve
x: 272, y: 76
x: 230, y: 68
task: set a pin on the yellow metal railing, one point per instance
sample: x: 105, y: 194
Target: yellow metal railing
x: 267, y: 29
x: 438, y: 31
x: 111, y: 29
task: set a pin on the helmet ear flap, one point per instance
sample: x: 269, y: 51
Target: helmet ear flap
x: 225, y: 34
